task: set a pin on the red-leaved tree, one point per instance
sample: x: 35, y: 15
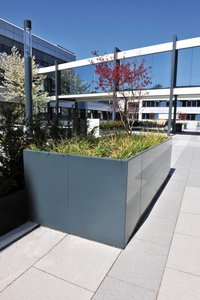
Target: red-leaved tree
x: 126, y: 80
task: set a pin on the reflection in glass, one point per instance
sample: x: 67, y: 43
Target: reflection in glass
x: 78, y: 80
x: 160, y: 64
x: 188, y: 67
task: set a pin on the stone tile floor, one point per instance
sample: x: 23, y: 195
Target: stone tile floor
x: 162, y: 261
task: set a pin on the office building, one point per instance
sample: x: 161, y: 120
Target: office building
x: 45, y: 52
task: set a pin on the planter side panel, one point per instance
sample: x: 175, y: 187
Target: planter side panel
x: 97, y: 193
x: 133, y: 195
x: 46, y: 184
x: 155, y: 168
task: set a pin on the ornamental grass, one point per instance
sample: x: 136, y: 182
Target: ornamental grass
x: 118, y: 146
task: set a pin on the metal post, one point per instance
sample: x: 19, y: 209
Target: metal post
x: 28, y: 73
x: 173, y: 82
x: 57, y: 86
x: 116, y: 84
x: 75, y: 119
x: 175, y: 109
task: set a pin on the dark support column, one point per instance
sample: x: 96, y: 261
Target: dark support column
x: 57, y: 86
x: 116, y: 86
x: 76, y: 119
x: 173, y: 82
x: 175, y: 109
x: 28, y: 74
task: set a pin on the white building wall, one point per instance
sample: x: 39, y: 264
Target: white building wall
x: 163, y: 112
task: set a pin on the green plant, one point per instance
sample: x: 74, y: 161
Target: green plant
x: 12, y: 143
x: 12, y: 72
x: 111, y: 125
x: 120, y: 146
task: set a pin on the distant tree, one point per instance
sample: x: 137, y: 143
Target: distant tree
x: 12, y: 72
x: 71, y: 83
x: 157, y: 86
x: 130, y: 79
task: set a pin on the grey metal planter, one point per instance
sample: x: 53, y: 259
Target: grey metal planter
x: 97, y: 198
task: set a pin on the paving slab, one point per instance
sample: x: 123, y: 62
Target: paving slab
x: 179, y: 285
x: 191, y: 200
x: 36, y: 285
x: 157, y: 230
x: 142, y: 264
x: 185, y: 254
x: 193, y: 180
x: 19, y: 257
x: 114, y: 289
x: 173, y: 191
x: 188, y: 224
x: 80, y: 261
x: 166, y: 209
x: 180, y: 175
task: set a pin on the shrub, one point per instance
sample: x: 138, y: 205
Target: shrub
x: 12, y: 143
x: 111, y: 125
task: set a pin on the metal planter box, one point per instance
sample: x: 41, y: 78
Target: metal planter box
x: 97, y: 198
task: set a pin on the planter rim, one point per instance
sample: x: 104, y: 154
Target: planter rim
x: 168, y: 139
x: 95, y: 157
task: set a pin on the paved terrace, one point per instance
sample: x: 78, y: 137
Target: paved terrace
x: 162, y: 261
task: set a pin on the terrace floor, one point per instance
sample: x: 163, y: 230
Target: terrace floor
x: 162, y: 261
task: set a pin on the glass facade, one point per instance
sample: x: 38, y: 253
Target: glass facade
x: 188, y: 67
x: 80, y: 80
x: 160, y: 68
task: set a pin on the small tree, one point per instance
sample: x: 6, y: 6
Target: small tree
x: 130, y: 79
x: 12, y: 71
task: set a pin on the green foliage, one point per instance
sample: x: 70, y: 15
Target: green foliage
x: 111, y: 125
x: 12, y: 143
x: 71, y: 83
x: 120, y: 146
x: 12, y: 70
x: 13, y: 140
x: 39, y: 132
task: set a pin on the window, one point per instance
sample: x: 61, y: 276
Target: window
x: 132, y: 106
x: 190, y: 117
x: 162, y: 103
x: 183, y: 103
x: 150, y: 116
x: 182, y: 116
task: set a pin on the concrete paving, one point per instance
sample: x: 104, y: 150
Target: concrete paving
x: 162, y: 261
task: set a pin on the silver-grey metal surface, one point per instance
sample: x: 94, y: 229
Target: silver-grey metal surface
x: 46, y: 184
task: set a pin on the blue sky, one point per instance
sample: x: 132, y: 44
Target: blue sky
x: 85, y: 25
